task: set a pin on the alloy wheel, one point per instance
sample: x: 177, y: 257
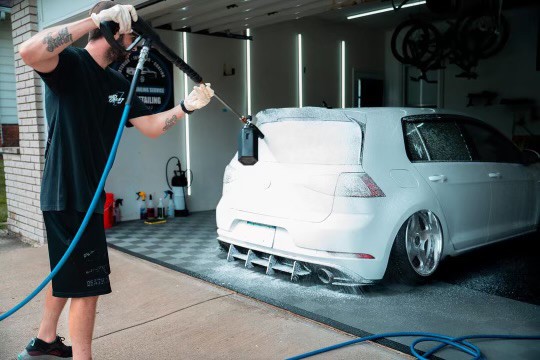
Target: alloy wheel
x: 423, y: 242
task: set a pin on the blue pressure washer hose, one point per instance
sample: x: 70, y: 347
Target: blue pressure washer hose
x: 85, y: 221
x: 455, y: 342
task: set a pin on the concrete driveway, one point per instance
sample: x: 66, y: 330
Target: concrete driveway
x: 157, y: 313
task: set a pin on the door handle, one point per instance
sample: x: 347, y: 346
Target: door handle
x: 437, y: 178
x: 495, y: 175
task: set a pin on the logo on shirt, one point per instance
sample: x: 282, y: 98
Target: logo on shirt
x: 117, y: 98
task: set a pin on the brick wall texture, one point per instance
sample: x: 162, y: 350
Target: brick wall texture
x: 24, y: 170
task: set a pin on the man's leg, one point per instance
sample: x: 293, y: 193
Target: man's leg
x: 82, y: 315
x: 51, y: 313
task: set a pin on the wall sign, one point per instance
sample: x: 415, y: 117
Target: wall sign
x: 155, y: 86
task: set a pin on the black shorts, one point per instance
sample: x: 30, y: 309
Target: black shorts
x: 86, y: 272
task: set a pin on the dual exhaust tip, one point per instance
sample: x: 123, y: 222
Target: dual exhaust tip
x: 325, y: 276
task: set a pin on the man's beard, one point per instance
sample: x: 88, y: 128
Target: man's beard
x: 116, y: 55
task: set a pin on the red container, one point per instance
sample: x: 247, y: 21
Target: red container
x: 108, y: 211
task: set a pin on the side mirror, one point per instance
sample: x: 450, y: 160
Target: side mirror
x: 530, y: 157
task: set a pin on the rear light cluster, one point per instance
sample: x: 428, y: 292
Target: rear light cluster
x: 357, y: 185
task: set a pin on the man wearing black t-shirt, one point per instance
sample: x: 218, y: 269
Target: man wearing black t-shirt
x: 84, y: 101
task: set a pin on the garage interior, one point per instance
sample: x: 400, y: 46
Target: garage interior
x: 261, y: 54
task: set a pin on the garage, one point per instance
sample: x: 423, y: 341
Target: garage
x: 387, y: 179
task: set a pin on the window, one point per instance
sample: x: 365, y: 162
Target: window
x: 489, y: 145
x: 435, y: 140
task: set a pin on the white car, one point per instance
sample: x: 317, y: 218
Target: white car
x: 345, y: 193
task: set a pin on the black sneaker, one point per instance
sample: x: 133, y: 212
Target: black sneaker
x: 38, y: 349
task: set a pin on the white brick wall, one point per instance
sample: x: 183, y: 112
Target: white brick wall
x: 24, y: 168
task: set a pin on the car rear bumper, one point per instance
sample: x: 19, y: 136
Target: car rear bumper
x: 334, y: 245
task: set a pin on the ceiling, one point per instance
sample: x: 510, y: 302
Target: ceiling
x: 232, y: 17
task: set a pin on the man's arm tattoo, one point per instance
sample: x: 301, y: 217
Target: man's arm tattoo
x: 169, y: 123
x: 64, y: 37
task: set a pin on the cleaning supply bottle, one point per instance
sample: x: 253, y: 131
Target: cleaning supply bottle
x: 179, y: 183
x: 118, y: 211
x: 141, y: 198
x: 150, y: 210
x: 160, y: 210
x: 170, y: 207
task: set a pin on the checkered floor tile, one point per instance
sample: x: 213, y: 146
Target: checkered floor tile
x: 187, y: 242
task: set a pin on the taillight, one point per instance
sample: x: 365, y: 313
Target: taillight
x: 357, y: 185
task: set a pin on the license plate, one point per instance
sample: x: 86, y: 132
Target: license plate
x: 256, y: 233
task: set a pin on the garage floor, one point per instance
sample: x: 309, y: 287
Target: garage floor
x: 494, y: 290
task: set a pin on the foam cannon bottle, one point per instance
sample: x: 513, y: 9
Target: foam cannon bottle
x: 179, y: 183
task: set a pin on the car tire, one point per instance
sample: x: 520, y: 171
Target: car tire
x: 417, y: 249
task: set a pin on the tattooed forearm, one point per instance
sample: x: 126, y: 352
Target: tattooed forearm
x: 169, y: 123
x: 64, y: 37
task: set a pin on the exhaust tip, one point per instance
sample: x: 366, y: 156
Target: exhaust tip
x: 325, y: 276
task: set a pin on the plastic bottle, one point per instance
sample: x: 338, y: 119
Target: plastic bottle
x: 141, y: 197
x: 170, y: 207
x: 150, y: 210
x: 118, y: 211
x: 160, y: 210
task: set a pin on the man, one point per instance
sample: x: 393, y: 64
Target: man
x: 83, y: 122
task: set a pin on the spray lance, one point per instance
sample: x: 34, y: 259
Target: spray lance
x: 248, y: 152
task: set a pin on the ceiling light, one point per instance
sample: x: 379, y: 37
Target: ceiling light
x: 368, y: 13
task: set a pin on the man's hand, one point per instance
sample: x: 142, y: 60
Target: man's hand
x: 121, y: 14
x: 199, y: 97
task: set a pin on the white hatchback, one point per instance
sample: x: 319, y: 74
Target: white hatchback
x: 344, y: 194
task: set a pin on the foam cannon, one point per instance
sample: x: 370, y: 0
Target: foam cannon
x: 248, y: 149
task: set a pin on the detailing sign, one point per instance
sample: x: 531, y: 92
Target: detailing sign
x: 155, y: 85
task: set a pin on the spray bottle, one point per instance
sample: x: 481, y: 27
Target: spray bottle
x: 150, y: 210
x: 141, y: 197
x: 170, y: 207
x: 118, y: 211
x: 160, y: 210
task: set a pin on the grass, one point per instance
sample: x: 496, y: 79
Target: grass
x: 3, y: 203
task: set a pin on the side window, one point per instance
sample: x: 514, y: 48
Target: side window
x: 491, y: 146
x: 416, y: 150
x: 441, y: 140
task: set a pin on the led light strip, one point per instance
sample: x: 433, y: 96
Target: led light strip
x: 186, y: 116
x: 343, y: 74
x: 384, y: 10
x: 300, y: 73
x: 248, y: 71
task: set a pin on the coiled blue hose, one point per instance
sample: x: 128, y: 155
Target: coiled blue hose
x: 85, y: 221
x: 455, y: 342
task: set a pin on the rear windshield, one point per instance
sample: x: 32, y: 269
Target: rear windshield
x: 311, y: 141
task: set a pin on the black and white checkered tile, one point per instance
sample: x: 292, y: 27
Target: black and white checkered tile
x: 186, y: 242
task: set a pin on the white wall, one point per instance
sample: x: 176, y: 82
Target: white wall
x: 140, y: 161
x: 511, y: 73
x: 274, y: 62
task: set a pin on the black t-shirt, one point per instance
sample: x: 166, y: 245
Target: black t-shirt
x: 84, y: 105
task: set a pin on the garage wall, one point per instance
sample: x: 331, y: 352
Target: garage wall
x: 274, y: 62
x: 511, y: 73
x: 140, y: 161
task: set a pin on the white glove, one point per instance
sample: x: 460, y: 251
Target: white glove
x: 121, y: 14
x: 199, y: 97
